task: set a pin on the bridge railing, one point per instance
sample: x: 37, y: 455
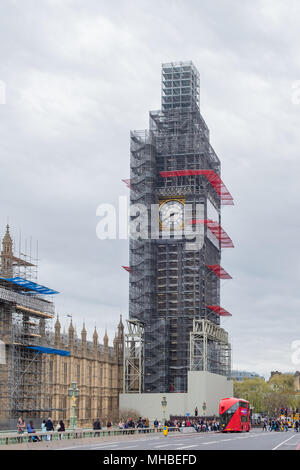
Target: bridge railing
x: 19, y: 438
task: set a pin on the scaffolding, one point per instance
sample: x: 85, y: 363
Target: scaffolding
x: 169, y: 285
x: 26, y: 313
x: 134, y: 357
x: 210, y: 350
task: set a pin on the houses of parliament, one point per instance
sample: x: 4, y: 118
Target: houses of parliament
x: 40, y: 362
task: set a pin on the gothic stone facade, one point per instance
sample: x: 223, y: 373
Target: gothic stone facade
x: 97, y: 371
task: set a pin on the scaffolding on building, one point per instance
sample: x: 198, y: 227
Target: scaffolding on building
x: 170, y: 286
x: 134, y: 357
x: 26, y: 313
x: 210, y: 350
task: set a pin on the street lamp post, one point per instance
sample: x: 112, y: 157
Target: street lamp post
x: 73, y: 394
x: 204, y: 408
x: 164, y: 406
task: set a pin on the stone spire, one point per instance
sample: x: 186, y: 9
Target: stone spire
x: 105, y: 342
x: 7, y: 255
x: 57, y: 327
x: 120, y: 328
x: 71, y: 334
x: 116, y: 344
x: 83, y: 337
x: 83, y: 333
x: 95, y: 340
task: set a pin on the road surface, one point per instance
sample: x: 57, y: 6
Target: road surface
x: 256, y: 439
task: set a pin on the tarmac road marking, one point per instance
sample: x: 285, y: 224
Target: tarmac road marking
x: 279, y: 445
x: 186, y: 447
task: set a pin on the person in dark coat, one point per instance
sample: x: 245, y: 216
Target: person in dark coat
x: 97, y: 426
x: 49, y: 427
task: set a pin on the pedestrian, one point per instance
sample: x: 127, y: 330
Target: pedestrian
x: 61, y: 427
x: 147, y: 424
x: 43, y: 428
x: 96, y: 427
x: 196, y: 411
x: 265, y: 425
x: 108, y: 426
x: 21, y: 425
x: 155, y: 425
x: 49, y: 428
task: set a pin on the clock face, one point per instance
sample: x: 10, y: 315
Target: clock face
x: 171, y: 215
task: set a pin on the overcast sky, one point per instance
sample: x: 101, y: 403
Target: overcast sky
x: 80, y: 74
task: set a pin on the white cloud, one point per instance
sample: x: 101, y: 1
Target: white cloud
x: 80, y: 75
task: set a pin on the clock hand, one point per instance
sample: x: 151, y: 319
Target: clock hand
x: 169, y: 216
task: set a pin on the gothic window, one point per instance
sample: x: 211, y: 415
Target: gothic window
x: 65, y: 373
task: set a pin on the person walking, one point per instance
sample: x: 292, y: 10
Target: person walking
x: 265, y: 425
x: 196, y: 411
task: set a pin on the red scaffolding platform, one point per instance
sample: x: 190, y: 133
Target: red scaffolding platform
x: 127, y: 268
x: 219, y: 271
x: 217, y: 231
x: 219, y: 310
x: 127, y: 182
x: 213, y: 178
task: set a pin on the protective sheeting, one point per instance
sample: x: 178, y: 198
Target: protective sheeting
x: 217, y: 230
x: 42, y: 350
x: 31, y: 286
x: 127, y: 182
x: 219, y: 271
x: 213, y: 178
x: 219, y: 310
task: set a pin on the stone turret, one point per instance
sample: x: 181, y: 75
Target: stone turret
x: 83, y: 338
x: 105, y: 342
x: 95, y: 340
x: 71, y: 335
x: 116, y: 343
x: 57, y: 327
x: 7, y: 255
x: 120, y: 328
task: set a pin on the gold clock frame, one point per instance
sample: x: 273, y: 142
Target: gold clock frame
x: 163, y: 201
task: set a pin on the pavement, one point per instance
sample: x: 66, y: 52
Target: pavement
x: 256, y: 439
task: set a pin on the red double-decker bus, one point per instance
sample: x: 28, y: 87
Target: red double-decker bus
x: 234, y: 415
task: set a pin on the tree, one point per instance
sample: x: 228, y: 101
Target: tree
x: 253, y: 390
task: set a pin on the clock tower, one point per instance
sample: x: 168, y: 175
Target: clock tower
x: 174, y: 167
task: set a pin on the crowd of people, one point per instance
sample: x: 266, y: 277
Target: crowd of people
x: 273, y: 424
x: 201, y: 424
x: 176, y: 422
x: 47, y: 426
